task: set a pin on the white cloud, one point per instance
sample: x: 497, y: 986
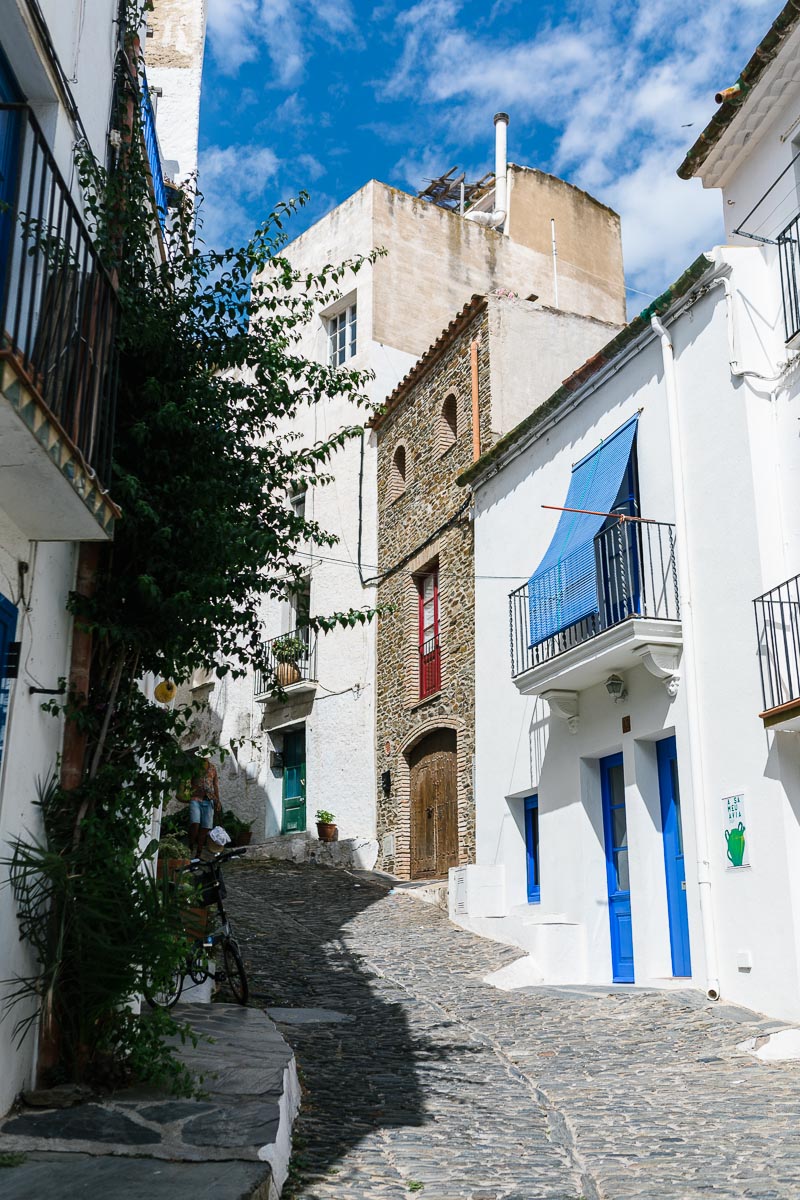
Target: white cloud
x: 232, y: 178
x: 239, y: 30
x: 626, y: 87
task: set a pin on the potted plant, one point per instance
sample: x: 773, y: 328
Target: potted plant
x: 287, y: 652
x: 240, y: 830
x: 327, y: 831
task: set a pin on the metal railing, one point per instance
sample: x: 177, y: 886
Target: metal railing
x: 430, y: 668
x: 280, y: 671
x: 57, y: 303
x: 789, y: 256
x: 634, y: 575
x: 153, y: 155
x: 778, y: 630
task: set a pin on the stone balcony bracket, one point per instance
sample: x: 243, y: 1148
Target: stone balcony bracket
x: 662, y: 662
x: 565, y: 706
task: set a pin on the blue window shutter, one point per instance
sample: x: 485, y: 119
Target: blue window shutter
x: 563, y: 588
x: 8, y: 627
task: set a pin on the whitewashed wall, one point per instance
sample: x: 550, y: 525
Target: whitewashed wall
x: 740, y: 474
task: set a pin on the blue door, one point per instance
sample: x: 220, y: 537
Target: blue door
x: 615, y: 828
x: 532, y: 847
x: 669, y: 788
x: 8, y: 627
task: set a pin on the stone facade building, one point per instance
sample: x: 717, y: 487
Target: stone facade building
x: 488, y: 368
x: 386, y: 317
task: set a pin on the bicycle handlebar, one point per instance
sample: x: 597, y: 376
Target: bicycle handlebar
x: 197, y: 864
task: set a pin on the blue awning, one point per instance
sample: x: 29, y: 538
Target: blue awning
x: 563, y: 588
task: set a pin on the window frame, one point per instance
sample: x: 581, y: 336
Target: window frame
x: 533, y: 878
x: 341, y: 330
x: 430, y: 665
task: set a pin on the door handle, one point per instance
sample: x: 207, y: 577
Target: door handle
x: 683, y: 885
x: 429, y: 813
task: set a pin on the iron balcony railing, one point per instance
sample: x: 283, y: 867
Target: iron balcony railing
x: 778, y: 630
x: 283, y: 668
x: 57, y: 303
x: 153, y: 155
x: 635, y: 576
x: 789, y: 256
x: 430, y: 668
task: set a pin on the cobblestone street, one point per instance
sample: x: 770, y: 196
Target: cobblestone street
x: 430, y: 1081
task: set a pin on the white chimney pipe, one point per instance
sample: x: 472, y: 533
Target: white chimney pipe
x: 500, y: 161
x: 494, y: 220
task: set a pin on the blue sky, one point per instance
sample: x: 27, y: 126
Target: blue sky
x: 326, y: 94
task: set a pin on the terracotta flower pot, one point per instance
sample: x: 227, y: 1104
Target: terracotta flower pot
x: 244, y: 838
x: 327, y: 832
x: 287, y: 673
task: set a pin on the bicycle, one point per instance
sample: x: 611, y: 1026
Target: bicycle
x: 228, y: 966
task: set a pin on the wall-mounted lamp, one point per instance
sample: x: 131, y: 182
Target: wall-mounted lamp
x: 615, y: 686
x: 386, y: 782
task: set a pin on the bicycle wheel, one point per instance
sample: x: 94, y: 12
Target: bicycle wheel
x: 163, y: 993
x: 198, y: 963
x: 234, y: 971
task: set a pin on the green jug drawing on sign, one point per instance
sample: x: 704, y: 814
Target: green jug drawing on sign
x: 735, y: 840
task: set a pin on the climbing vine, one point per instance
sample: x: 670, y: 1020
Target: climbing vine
x: 210, y: 375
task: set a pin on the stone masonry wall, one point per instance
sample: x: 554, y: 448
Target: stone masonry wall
x: 406, y: 522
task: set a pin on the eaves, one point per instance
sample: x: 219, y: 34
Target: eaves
x: 606, y: 362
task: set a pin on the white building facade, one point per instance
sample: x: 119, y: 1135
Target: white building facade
x: 57, y: 77
x: 316, y: 749
x: 637, y: 785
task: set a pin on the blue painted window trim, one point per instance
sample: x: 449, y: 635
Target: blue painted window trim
x: 153, y: 155
x: 532, y: 849
x: 8, y: 629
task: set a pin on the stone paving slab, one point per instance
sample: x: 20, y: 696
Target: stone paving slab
x: 478, y: 1094
x: 139, y: 1141
x: 89, y: 1178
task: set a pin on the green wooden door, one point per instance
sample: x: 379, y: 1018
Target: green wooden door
x: 294, y: 782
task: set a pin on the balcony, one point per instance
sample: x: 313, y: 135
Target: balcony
x: 789, y: 256
x: 430, y: 668
x: 635, y: 622
x: 778, y: 631
x: 57, y: 353
x: 290, y: 665
x: 153, y: 155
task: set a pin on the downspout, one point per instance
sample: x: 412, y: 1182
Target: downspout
x: 496, y: 218
x: 737, y: 371
x: 692, y: 702
x: 476, y: 412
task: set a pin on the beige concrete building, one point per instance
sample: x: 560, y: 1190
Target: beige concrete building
x: 496, y: 361
x: 436, y: 258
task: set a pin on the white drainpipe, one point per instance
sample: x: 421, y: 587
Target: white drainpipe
x: 497, y: 218
x: 692, y: 702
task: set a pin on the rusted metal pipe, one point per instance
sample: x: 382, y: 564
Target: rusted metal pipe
x: 74, y: 748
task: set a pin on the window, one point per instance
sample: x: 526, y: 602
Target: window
x: 448, y: 423
x: 430, y: 666
x: 397, y: 480
x: 532, y: 848
x: 8, y: 627
x: 342, y: 340
x: 298, y: 503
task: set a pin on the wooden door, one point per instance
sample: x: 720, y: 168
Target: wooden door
x: 619, y: 887
x: 672, y: 830
x: 294, y: 782
x: 434, y: 806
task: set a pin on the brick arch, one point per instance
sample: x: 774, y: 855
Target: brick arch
x: 402, y: 788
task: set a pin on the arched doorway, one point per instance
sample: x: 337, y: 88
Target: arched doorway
x: 434, y: 805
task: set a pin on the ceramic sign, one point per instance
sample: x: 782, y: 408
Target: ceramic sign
x: 735, y: 831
